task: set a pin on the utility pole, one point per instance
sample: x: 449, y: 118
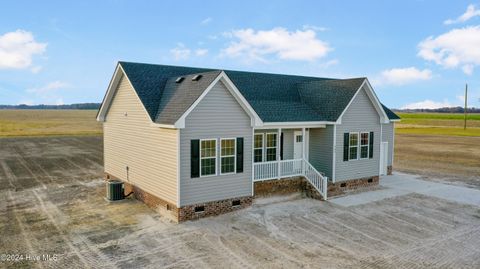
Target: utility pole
x: 465, y: 110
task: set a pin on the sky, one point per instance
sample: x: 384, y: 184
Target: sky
x: 416, y: 54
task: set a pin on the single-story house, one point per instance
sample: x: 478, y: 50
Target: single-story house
x: 196, y: 142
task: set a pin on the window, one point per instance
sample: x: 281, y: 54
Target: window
x: 271, y: 146
x: 353, y: 146
x: 227, y: 155
x: 208, y: 157
x: 299, y: 138
x: 364, y: 145
x: 258, y: 148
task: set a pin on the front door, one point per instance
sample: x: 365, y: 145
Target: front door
x: 297, y: 145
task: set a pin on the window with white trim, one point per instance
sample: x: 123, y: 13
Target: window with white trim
x: 208, y: 157
x: 364, y: 145
x: 353, y: 147
x: 258, y: 148
x: 228, y: 153
x: 271, y: 147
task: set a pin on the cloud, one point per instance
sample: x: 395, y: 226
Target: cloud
x: 18, y: 48
x: 180, y: 52
x: 427, y: 104
x: 402, y: 76
x: 469, y: 13
x: 255, y: 45
x: 49, y: 88
x: 47, y: 93
x: 458, y: 47
x: 201, y: 52
x: 206, y: 21
x: 314, y: 28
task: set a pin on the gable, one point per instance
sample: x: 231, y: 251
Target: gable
x: 361, y: 109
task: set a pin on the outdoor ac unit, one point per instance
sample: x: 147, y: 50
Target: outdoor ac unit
x: 115, y: 190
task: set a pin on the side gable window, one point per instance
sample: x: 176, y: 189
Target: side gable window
x: 208, y: 157
x: 353, y: 146
x: 227, y: 155
x: 364, y: 145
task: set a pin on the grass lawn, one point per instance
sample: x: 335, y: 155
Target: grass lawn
x: 438, y: 124
x: 48, y: 122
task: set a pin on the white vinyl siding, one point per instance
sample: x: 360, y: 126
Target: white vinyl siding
x: 150, y: 153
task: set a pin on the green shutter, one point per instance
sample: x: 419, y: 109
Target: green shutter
x: 239, y: 154
x: 194, y: 158
x: 370, y: 153
x: 346, y: 141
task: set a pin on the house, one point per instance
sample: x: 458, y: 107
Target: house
x: 196, y: 142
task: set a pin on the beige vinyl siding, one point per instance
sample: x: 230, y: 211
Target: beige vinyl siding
x: 321, y: 149
x: 361, y: 116
x: 388, y: 133
x: 149, y: 152
x: 217, y: 116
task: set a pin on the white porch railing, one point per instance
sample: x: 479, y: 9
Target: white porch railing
x: 289, y: 168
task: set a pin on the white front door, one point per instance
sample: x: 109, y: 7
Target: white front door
x: 383, y: 158
x: 298, y: 145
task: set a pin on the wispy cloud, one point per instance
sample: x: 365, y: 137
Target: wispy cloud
x: 51, y: 93
x: 469, y: 13
x: 206, y: 21
x: 254, y: 45
x: 428, y: 104
x: 402, y: 76
x: 458, y: 47
x: 18, y: 48
x: 180, y: 52
x: 315, y: 28
x: 201, y: 52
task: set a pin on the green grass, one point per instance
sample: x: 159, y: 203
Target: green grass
x: 438, y: 124
x: 439, y: 116
x: 439, y: 131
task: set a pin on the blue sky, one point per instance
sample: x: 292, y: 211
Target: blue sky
x: 415, y: 53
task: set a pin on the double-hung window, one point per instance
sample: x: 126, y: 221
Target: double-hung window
x: 353, y: 147
x: 258, y: 148
x: 227, y: 155
x: 364, y: 145
x: 208, y: 157
x: 271, y: 147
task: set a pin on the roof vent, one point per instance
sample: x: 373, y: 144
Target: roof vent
x: 196, y: 77
x: 179, y: 79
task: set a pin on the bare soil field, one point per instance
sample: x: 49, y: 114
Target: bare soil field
x: 448, y: 158
x: 52, y: 203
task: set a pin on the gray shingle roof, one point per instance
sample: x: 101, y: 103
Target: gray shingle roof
x: 274, y: 97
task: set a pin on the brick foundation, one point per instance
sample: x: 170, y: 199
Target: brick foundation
x: 279, y: 187
x: 213, y: 208
x: 389, y: 170
x: 184, y: 213
x: 341, y: 187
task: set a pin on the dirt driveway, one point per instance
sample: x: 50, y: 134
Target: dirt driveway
x: 51, y: 203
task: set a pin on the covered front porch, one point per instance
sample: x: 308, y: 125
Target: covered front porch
x: 284, y: 152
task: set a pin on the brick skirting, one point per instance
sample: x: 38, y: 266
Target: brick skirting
x: 279, y: 186
x: 340, y: 187
x: 184, y: 213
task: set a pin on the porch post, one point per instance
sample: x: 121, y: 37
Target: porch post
x: 279, y: 133
x: 303, y: 150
